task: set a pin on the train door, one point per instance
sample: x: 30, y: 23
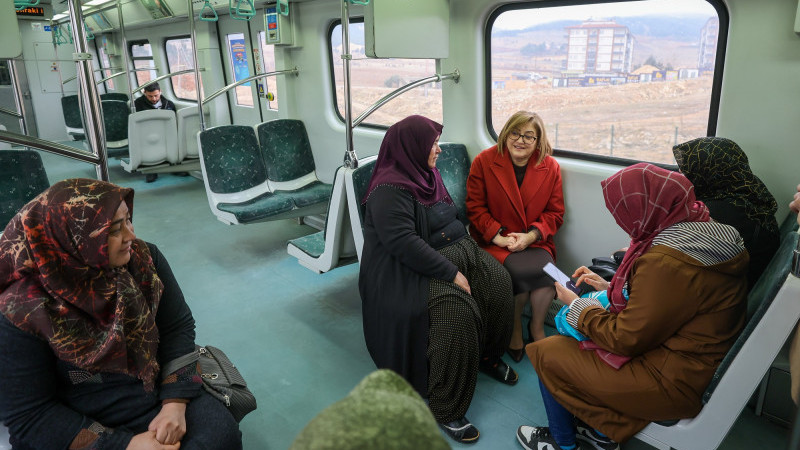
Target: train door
x: 237, y: 53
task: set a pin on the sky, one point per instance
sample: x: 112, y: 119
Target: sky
x: 519, y: 19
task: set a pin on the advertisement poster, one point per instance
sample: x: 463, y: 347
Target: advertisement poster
x: 238, y: 52
x: 158, y: 9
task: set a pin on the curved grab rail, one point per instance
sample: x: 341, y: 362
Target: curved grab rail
x: 156, y: 80
x: 204, y: 16
x: 283, y: 7
x: 240, y: 13
x: 11, y: 113
x: 455, y: 75
x: 146, y: 69
x: 22, y: 4
x: 248, y: 79
x: 50, y: 147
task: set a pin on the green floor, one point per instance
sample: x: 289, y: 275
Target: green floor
x: 295, y: 335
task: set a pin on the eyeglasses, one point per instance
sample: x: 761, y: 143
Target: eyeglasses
x: 526, y: 138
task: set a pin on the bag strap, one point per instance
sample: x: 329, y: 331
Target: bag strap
x: 179, y: 362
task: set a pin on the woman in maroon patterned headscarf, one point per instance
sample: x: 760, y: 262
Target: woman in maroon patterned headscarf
x: 436, y: 308
x: 88, y: 315
x: 653, y: 353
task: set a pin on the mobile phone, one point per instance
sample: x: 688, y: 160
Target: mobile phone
x: 557, y: 275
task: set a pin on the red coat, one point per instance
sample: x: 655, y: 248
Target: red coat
x: 494, y: 200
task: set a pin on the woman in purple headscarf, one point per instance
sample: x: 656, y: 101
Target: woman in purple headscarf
x: 436, y: 307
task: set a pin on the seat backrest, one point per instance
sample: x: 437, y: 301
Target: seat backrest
x: 22, y: 177
x: 361, y: 177
x: 70, y: 106
x: 115, y: 119
x: 758, y: 302
x: 114, y: 96
x: 188, y: 126
x: 152, y: 137
x: 454, y: 164
x: 286, y: 149
x: 231, y: 158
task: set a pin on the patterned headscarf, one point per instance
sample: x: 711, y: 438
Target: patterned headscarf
x: 644, y: 200
x: 718, y: 168
x: 403, y: 161
x: 56, y: 281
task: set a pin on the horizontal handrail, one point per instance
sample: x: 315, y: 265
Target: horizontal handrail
x: 141, y: 69
x: 49, y: 146
x: 156, y: 80
x: 10, y: 112
x: 455, y: 75
x: 248, y: 79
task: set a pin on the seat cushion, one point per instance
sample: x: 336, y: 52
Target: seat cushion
x: 310, y: 194
x: 259, y: 208
x: 312, y: 245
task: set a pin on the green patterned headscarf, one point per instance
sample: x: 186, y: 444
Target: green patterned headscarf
x: 718, y: 168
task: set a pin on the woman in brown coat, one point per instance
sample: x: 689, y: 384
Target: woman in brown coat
x: 677, y: 303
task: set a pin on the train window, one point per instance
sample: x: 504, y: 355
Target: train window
x: 142, y: 56
x: 237, y: 55
x: 179, y: 57
x: 371, y: 79
x: 623, y: 80
x: 105, y: 62
x: 268, y: 65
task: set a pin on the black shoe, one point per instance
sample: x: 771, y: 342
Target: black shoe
x: 588, y: 434
x: 461, y: 430
x: 500, y: 371
x: 181, y: 174
x: 537, y: 438
x: 516, y: 353
x: 150, y: 177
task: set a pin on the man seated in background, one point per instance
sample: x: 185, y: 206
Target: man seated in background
x: 152, y: 99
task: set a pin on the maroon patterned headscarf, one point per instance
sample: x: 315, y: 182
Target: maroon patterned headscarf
x: 644, y: 200
x: 403, y: 161
x: 56, y: 281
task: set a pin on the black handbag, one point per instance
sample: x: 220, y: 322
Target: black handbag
x: 220, y: 377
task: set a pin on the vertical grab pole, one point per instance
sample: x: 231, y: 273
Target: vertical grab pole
x: 193, y: 35
x: 350, y: 158
x: 12, y: 70
x: 93, y: 119
x: 125, y: 55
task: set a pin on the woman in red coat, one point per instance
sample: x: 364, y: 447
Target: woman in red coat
x: 515, y: 206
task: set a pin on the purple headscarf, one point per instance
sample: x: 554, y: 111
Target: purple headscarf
x: 403, y: 161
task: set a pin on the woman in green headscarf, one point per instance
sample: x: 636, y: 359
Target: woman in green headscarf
x: 722, y: 180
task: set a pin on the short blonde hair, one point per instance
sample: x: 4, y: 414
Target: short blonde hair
x: 515, y: 122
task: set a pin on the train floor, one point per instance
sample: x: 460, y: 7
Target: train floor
x: 295, y: 335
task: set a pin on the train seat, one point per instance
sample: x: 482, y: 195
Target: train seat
x: 22, y: 177
x: 188, y: 127
x: 454, y: 165
x: 290, y: 162
x: 235, y: 177
x: 152, y: 140
x: 115, y: 120
x: 772, y: 311
x: 71, y: 108
x: 121, y: 96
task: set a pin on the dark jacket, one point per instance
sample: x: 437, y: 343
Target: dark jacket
x: 143, y: 104
x: 46, y: 402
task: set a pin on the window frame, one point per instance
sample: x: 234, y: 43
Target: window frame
x: 141, y: 42
x: 716, y: 87
x: 99, y: 51
x: 169, y: 67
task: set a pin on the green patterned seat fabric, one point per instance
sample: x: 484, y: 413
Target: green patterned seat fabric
x: 286, y: 149
x: 758, y: 301
x: 259, y: 208
x: 71, y: 108
x: 22, y: 177
x: 232, y: 158
x: 454, y: 164
x: 115, y: 118
x: 361, y: 178
x: 382, y: 412
x: 312, y: 245
x: 114, y: 96
x: 310, y: 194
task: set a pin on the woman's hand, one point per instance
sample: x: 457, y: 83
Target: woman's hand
x: 170, y: 423
x: 592, y: 279
x: 795, y: 204
x: 503, y: 241
x: 523, y: 240
x: 461, y: 281
x: 147, y: 441
x: 564, y: 294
